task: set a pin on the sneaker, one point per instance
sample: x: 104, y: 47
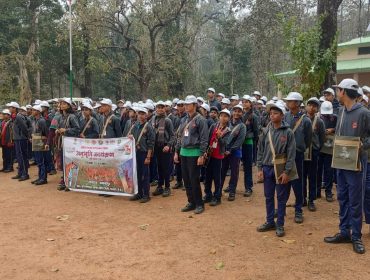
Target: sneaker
x: 145, y: 199
x: 329, y: 197
x: 188, y: 207
x: 166, y: 192
x: 227, y: 190
x: 311, y: 206
x: 298, y: 218
x: 41, y: 182
x: 35, y: 181
x: 207, y: 199
x: 266, y: 227
x: 248, y: 193
x: 231, y: 197
x: 199, y: 209
x: 358, y: 246
x: 280, y: 231
x: 154, y: 183
x: 178, y: 185
x: 24, y: 178
x: 215, y: 202
x: 158, y: 191
x: 16, y: 177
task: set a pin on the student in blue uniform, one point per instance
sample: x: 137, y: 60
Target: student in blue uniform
x: 353, y: 120
x: 283, y: 142
x: 302, y: 129
x: 88, y: 124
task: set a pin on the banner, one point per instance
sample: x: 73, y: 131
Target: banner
x: 104, y: 166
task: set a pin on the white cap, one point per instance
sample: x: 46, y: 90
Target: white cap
x: 326, y: 108
x: 238, y: 107
x: 314, y: 100
x: 260, y: 102
x: 87, y: 105
x: 12, y: 104
x: 37, y: 108
x: 329, y: 90
x: 114, y: 107
x: 360, y: 91
x: 234, y: 97
x: 175, y: 100
x: 364, y: 97
x: 322, y: 99
x: 127, y: 104
x: 264, y: 98
x: 257, y: 93
x: 37, y: 102
x: 348, y: 84
x: 211, y: 89
x: 160, y: 103
x: 106, y: 101
x: 66, y: 100
x: 294, y: 96
x: 278, y: 105
x: 44, y: 104
x: 205, y: 106
x: 225, y: 111
x: 201, y: 99
x: 275, y: 98
x: 246, y: 97
x: 150, y: 101
x: 97, y: 105
x: 23, y: 108
x: 190, y: 99
x: 225, y: 101
x: 366, y: 89
x: 141, y: 109
x: 6, y: 111
x: 221, y: 94
x: 180, y: 102
x: 149, y: 106
x: 168, y: 103
x: 253, y: 99
x: 28, y: 106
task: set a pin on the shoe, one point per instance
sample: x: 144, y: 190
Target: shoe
x: 158, y: 191
x: 23, y: 178
x: 329, y: 198
x: 227, y: 190
x: 145, y: 199
x: 154, y: 183
x: 166, y: 192
x: 215, y: 202
x: 298, y: 218
x: 61, y: 187
x: 266, y: 227
x: 337, y: 239
x: 231, y: 197
x: 16, y: 177
x: 8, y: 170
x: 358, y: 246
x: 199, y: 210
x: 188, y: 207
x: 280, y: 232
x: 248, y: 193
x: 136, y: 197
x: 41, y: 182
x: 178, y: 185
x: 207, y: 199
x: 35, y: 181
x: 311, y: 206
x: 53, y: 172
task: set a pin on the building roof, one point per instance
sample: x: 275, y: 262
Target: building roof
x: 355, y: 42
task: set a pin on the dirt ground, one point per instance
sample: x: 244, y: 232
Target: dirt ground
x: 113, y: 238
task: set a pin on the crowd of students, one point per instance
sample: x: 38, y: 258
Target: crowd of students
x: 204, y: 141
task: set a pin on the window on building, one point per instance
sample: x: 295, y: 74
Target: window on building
x: 363, y: 50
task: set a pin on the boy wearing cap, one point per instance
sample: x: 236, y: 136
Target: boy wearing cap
x: 282, y: 142
x: 250, y: 120
x: 88, y: 124
x: 354, y: 120
x: 144, y: 135
x: 191, y: 146
x: 164, y: 138
x: 218, y: 135
x: 21, y: 136
x: 329, y: 95
x: 302, y: 129
x: 233, y: 152
x: 41, y: 129
x: 7, y: 142
x: 325, y: 171
x: 130, y: 123
x: 311, y: 165
x: 111, y: 127
x: 212, y: 101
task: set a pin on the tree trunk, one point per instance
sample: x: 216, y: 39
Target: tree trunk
x: 24, y: 83
x: 327, y: 10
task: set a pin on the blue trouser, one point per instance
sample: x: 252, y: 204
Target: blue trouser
x: 7, y: 158
x: 191, y: 173
x: 41, y: 164
x: 49, y: 163
x: 367, y: 195
x: 213, y: 173
x: 231, y: 161
x: 164, y: 167
x: 282, y: 192
x: 142, y: 174
x: 153, y: 169
x: 328, y: 173
x: 21, y: 149
x: 310, y: 176
x: 247, y: 158
x: 297, y: 184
